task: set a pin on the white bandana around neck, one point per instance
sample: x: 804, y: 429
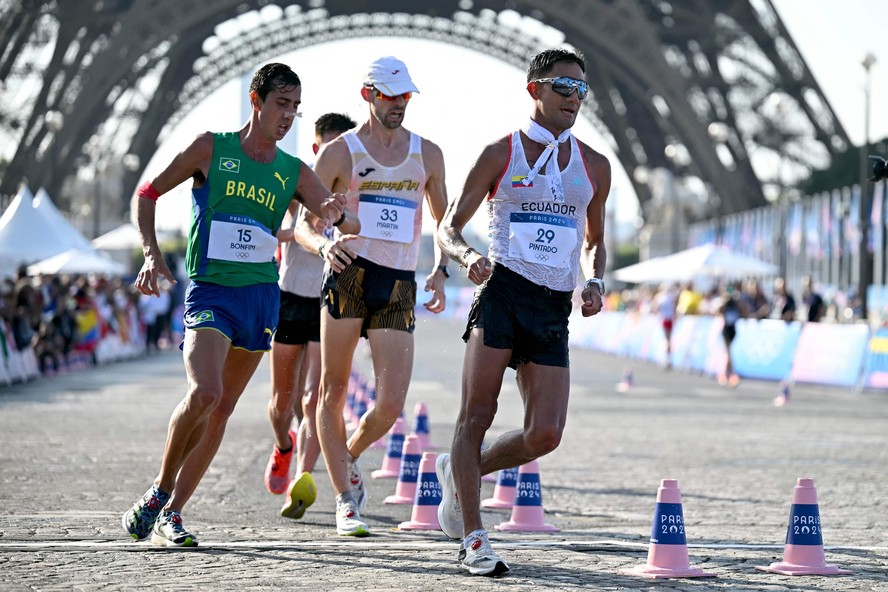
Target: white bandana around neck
x: 541, y: 135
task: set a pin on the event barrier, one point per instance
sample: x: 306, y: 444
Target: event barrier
x: 22, y: 365
x: 819, y: 353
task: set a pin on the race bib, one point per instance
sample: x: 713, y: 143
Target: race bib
x: 542, y: 238
x: 388, y: 218
x: 241, y: 239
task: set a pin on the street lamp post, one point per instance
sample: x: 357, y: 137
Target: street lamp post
x: 869, y: 60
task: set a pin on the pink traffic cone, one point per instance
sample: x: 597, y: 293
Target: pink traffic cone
x: 783, y: 398
x: 405, y: 490
x: 348, y: 412
x: 504, y: 491
x: 803, y: 552
x: 422, y: 426
x: 391, y: 462
x: 668, y: 551
x: 627, y: 382
x: 359, y: 409
x: 428, y: 496
x: 527, y: 512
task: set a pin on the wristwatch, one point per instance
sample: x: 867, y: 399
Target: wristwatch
x: 595, y: 282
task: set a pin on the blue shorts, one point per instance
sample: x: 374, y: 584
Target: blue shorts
x: 247, y: 315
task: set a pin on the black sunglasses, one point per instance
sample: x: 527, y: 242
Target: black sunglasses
x: 565, y: 85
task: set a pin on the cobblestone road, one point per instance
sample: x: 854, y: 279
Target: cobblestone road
x: 77, y: 450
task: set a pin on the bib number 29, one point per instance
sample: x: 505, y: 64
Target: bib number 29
x: 544, y: 236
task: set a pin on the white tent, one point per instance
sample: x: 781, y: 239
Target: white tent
x: 704, y: 261
x: 86, y: 260
x: 29, y: 234
x: 62, y: 229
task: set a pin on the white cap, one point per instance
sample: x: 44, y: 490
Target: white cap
x: 389, y: 75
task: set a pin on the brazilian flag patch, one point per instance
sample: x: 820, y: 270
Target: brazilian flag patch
x: 204, y: 316
x: 231, y: 165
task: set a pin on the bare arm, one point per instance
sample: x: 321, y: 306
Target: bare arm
x: 192, y: 162
x: 333, y: 170
x: 436, y: 197
x: 314, y: 195
x: 593, y: 256
x: 479, y: 184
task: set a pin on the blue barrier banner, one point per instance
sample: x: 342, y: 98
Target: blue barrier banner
x: 804, y: 525
x: 682, y: 340
x: 764, y: 349
x: 830, y: 354
x: 875, y: 369
x: 668, y: 525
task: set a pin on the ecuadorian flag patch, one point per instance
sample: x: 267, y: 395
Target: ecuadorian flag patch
x: 232, y: 165
x: 516, y: 181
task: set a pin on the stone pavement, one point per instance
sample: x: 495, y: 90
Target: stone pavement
x: 77, y: 450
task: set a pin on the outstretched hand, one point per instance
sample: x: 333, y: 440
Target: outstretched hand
x: 146, y: 281
x: 435, y: 284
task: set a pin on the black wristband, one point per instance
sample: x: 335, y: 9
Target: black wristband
x: 443, y: 269
x: 341, y: 219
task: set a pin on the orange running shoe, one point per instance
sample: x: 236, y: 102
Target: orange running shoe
x: 277, y: 471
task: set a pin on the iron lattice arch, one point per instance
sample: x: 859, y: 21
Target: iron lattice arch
x: 702, y: 88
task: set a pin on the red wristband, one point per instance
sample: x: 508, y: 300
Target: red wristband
x: 147, y: 191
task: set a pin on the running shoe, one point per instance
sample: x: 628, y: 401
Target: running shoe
x: 478, y: 557
x: 348, y: 520
x: 139, y: 520
x: 277, y: 471
x: 449, y: 511
x: 358, y: 489
x: 169, y: 532
x: 300, y: 495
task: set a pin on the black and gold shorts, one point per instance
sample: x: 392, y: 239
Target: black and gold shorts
x: 382, y: 296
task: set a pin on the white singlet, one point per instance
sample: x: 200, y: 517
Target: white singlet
x: 301, y: 272
x: 533, y: 234
x: 388, y: 201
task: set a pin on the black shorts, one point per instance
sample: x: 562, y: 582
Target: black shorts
x: 520, y: 315
x: 382, y: 296
x: 299, y: 319
x: 729, y: 332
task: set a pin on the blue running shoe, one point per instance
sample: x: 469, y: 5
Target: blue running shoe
x: 140, y: 519
x: 169, y: 532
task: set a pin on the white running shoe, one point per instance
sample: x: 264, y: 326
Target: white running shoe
x: 449, y: 511
x: 358, y: 489
x: 479, y: 558
x: 348, y: 520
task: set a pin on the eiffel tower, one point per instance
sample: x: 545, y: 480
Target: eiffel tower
x: 701, y: 88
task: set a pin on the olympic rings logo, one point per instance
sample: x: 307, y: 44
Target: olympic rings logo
x: 240, y: 255
x: 386, y: 233
x: 542, y: 257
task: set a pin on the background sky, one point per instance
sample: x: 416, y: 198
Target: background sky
x: 467, y: 99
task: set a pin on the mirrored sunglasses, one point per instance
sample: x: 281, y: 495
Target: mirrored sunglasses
x: 379, y: 95
x: 565, y: 85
